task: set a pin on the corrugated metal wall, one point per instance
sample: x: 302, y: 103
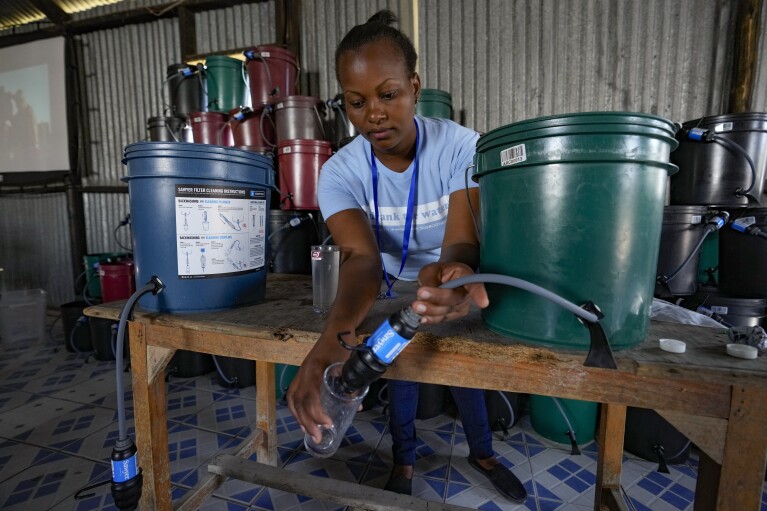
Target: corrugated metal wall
x: 323, y: 24
x: 505, y: 61
x: 124, y: 74
x: 237, y: 27
x: 124, y: 79
x: 35, y: 251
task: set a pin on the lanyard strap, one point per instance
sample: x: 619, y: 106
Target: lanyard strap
x: 408, y: 216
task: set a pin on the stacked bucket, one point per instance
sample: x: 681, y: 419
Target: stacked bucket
x: 711, y: 258
x: 722, y: 161
x: 109, y: 277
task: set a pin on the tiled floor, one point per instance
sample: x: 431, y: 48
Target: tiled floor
x: 58, y: 425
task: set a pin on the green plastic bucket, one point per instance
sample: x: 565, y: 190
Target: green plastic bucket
x: 435, y: 103
x: 547, y: 420
x: 226, y: 86
x: 283, y: 376
x: 574, y: 204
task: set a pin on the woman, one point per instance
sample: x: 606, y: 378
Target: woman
x: 394, y: 198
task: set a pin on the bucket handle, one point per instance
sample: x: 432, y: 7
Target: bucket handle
x: 472, y: 165
x: 337, y: 105
x: 319, y: 119
x: 267, y: 111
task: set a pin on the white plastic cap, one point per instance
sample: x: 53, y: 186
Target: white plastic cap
x: 673, y: 345
x: 742, y: 351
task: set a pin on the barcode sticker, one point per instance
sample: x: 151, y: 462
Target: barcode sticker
x: 696, y: 219
x: 512, y: 155
x: 265, y: 54
x: 719, y: 309
x: 286, y: 150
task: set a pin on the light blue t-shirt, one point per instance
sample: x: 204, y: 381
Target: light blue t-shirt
x: 445, y: 150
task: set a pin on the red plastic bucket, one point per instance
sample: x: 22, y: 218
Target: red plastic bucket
x: 211, y: 128
x: 299, y: 162
x: 117, y: 280
x: 272, y: 73
x: 299, y: 118
x: 255, y: 130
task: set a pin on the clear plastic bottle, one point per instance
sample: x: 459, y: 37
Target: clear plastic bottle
x: 344, y: 385
x: 340, y: 406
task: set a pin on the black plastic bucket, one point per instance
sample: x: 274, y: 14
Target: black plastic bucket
x: 188, y: 364
x: 683, y: 227
x: 71, y: 314
x: 235, y: 372
x: 186, y: 90
x: 290, y: 245
x: 735, y: 311
x: 743, y: 257
x: 102, y: 336
x: 711, y: 172
x: 168, y: 129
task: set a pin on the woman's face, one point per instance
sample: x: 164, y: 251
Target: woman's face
x: 380, y: 96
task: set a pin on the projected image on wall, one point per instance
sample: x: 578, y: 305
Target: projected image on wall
x: 33, y: 124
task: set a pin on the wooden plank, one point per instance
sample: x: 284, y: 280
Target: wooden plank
x: 612, y: 425
x: 332, y: 490
x: 451, y: 361
x: 150, y: 417
x: 746, y: 55
x: 266, y: 412
x: 708, y: 433
x: 613, y: 500
x: 193, y: 499
x: 287, y: 314
x: 706, y: 484
x: 157, y: 360
x: 745, y: 451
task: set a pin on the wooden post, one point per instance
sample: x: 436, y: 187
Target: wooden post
x: 612, y: 426
x: 266, y: 412
x: 187, y: 33
x: 288, y: 14
x: 745, y: 58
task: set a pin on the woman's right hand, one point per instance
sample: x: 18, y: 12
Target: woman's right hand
x: 304, y: 392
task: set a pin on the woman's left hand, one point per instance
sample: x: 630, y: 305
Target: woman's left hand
x: 436, y: 304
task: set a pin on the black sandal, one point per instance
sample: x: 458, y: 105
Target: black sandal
x: 503, y: 480
x: 399, y: 484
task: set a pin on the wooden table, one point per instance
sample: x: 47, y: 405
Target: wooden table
x: 718, y: 402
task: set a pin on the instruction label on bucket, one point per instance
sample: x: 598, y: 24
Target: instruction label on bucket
x: 512, y: 155
x: 220, y: 230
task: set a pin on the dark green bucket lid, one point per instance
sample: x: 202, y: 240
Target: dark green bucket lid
x: 599, y: 120
x: 585, y: 137
x: 436, y: 95
x: 222, y: 61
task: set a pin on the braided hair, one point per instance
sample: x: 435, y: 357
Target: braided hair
x: 378, y: 28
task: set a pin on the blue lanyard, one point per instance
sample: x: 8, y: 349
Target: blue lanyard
x: 408, y: 216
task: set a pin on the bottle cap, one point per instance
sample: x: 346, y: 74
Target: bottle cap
x: 672, y: 345
x: 742, y: 351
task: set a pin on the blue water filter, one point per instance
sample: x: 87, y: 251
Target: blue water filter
x: 199, y: 215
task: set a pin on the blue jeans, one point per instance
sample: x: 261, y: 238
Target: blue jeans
x: 403, y: 404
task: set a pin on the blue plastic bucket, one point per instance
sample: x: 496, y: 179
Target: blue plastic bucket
x: 199, y: 215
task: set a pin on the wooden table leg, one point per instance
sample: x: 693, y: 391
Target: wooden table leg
x: 612, y: 425
x: 150, y: 416
x: 707, y: 483
x: 266, y: 412
x: 745, y: 450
